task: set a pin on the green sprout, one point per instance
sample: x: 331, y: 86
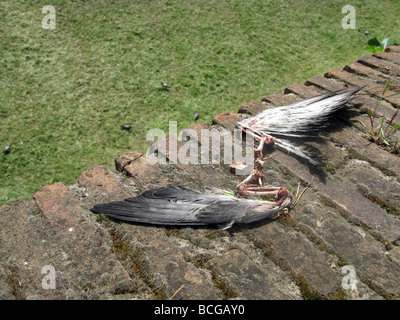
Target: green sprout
x: 382, y: 132
x: 374, y: 45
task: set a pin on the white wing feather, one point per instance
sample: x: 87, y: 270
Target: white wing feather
x: 298, y: 119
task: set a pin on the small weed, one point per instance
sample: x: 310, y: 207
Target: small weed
x: 374, y: 45
x: 219, y: 283
x: 13, y: 281
x: 306, y: 290
x: 331, y: 167
x: 381, y: 132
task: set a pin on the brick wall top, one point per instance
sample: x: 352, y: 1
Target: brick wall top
x: 348, y: 217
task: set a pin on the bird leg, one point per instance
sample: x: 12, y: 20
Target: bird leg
x: 253, y: 185
x: 259, y: 162
x: 275, y: 192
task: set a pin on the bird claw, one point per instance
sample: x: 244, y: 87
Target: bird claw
x: 255, y: 175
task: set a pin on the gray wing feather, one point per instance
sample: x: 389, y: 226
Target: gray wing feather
x: 175, y: 206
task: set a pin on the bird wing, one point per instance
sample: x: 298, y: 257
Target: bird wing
x: 298, y: 120
x: 176, y: 206
x: 302, y: 150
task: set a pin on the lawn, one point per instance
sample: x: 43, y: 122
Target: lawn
x: 65, y: 93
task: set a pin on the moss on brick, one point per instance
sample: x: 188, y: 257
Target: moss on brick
x: 136, y: 262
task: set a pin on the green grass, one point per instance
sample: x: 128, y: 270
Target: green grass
x: 64, y: 93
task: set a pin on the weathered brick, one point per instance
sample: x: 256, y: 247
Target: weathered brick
x: 375, y: 75
x: 293, y: 252
x: 371, y: 215
x: 350, y: 243
x: 87, y: 255
x: 197, y: 168
x: 384, y: 109
x: 395, y: 49
x: 363, y: 149
x: 372, y: 184
x: 168, y: 147
x: 392, y: 57
x: 374, y: 89
x: 126, y: 159
x: 253, y: 108
x: 346, y: 217
x: 280, y: 99
x: 151, y: 256
x: 56, y: 211
x: 346, y: 77
x: 227, y: 120
x: 249, y: 280
x: 216, y: 152
x: 160, y: 260
x: 360, y: 69
x: 195, y: 131
x: 324, y: 83
x: 26, y: 247
x: 302, y: 90
x: 361, y: 101
x: 137, y: 166
x: 98, y: 178
x: 382, y: 65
